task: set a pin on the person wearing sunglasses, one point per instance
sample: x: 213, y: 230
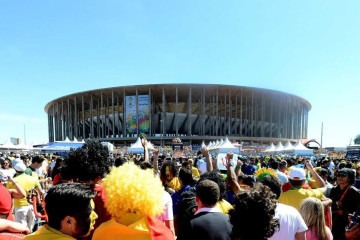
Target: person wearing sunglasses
x: 345, y: 200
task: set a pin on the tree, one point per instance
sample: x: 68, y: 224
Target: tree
x: 357, y: 139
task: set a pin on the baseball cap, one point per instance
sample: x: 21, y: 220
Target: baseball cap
x: 20, y: 167
x: 297, y: 174
x: 16, y: 161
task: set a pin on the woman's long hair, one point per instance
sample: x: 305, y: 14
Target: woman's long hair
x: 312, y: 212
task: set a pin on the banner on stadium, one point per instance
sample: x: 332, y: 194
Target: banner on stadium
x: 130, y: 114
x: 144, y: 113
x: 140, y: 119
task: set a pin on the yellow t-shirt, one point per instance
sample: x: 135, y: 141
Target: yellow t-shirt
x: 174, y: 183
x: 47, y: 232
x: 111, y: 229
x: 296, y: 196
x: 224, y: 206
x: 27, y: 183
x: 312, y: 184
x: 195, y: 172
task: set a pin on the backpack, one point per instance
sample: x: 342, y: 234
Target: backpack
x: 186, y: 209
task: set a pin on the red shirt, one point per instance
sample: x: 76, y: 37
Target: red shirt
x: 6, y: 202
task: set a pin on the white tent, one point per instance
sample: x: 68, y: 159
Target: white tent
x: 279, y: 147
x: 215, y: 146
x: 150, y: 146
x: 220, y: 143
x: 8, y: 145
x: 29, y: 146
x: 21, y: 145
x: 109, y: 146
x: 270, y: 149
x: 301, y: 150
x: 211, y: 144
x: 137, y: 147
x: 288, y: 147
x: 227, y: 146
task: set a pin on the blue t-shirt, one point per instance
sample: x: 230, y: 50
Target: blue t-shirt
x: 248, y: 169
x: 176, y: 197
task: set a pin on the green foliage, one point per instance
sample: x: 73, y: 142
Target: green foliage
x: 357, y: 139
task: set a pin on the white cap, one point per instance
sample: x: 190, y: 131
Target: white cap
x: 297, y: 174
x: 16, y: 161
x: 20, y: 167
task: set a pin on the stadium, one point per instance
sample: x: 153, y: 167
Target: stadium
x: 191, y: 112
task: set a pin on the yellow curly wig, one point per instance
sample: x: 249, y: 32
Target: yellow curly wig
x: 131, y: 189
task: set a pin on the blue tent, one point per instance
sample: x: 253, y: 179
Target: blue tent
x: 61, y: 146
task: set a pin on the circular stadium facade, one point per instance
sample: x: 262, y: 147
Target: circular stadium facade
x: 191, y: 112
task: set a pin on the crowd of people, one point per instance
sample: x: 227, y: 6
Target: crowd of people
x: 93, y: 194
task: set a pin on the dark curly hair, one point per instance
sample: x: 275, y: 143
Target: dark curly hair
x: 247, y: 179
x: 173, y: 168
x: 215, y: 177
x: 253, y: 215
x: 87, y: 163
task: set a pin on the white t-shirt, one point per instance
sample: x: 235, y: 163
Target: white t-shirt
x: 168, y: 209
x: 52, y: 165
x: 282, y: 176
x: 41, y: 171
x: 8, y: 172
x: 291, y: 222
x: 202, y: 165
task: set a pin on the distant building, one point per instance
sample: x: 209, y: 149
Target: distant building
x: 191, y: 112
x: 335, y: 149
x: 15, y: 141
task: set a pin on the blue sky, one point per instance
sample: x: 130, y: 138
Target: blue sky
x: 49, y: 49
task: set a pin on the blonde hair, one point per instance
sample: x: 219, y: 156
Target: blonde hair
x: 312, y: 211
x: 130, y: 189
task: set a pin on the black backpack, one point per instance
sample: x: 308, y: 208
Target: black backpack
x: 186, y: 209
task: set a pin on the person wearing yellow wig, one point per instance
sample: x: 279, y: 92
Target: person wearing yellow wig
x: 133, y: 200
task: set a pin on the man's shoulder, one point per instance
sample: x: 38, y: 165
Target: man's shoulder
x: 353, y: 188
x: 46, y: 232
x: 201, y: 161
x: 301, y: 193
x: 354, y: 192
x: 24, y: 177
x: 27, y: 180
x: 281, y: 173
x: 283, y: 209
x: 28, y: 171
x: 211, y: 222
x: 199, y: 217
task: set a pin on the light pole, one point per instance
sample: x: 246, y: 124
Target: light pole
x: 321, y: 139
x: 161, y: 132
